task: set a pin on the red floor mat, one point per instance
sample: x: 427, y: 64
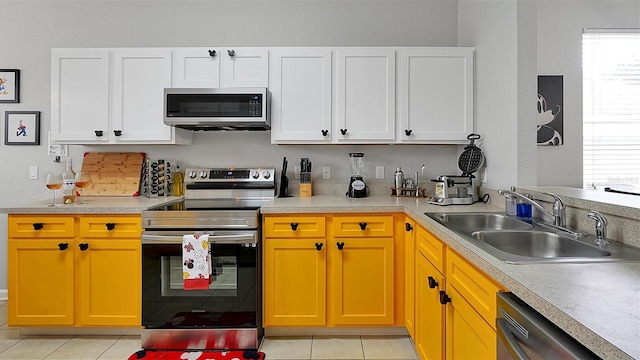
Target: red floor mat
x: 197, y: 355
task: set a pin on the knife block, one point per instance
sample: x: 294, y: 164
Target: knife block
x: 305, y: 190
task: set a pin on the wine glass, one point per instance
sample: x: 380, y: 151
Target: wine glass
x: 83, y: 180
x: 54, y: 182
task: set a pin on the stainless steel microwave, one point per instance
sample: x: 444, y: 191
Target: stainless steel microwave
x: 218, y: 109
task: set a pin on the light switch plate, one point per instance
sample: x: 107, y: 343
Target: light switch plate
x: 379, y: 172
x: 33, y: 172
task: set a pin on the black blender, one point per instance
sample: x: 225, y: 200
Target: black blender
x: 357, y: 187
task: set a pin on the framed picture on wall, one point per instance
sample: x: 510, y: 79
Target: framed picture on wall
x: 22, y: 128
x: 9, y: 86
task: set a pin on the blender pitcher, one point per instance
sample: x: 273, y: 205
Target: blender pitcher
x: 357, y: 187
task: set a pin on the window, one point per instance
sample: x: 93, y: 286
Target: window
x: 611, y: 109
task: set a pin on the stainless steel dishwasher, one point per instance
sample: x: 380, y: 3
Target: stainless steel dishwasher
x: 524, y: 334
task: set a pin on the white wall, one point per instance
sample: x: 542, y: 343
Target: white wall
x: 31, y: 28
x: 560, y: 25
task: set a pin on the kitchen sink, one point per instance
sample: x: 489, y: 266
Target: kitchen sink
x: 470, y: 222
x: 540, y: 244
x: 517, y: 241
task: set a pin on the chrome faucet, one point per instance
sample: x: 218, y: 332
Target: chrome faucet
x: 559, y: 210
x: 601, y: 228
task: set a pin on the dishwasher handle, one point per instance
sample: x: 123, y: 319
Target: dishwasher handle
x: 506, y: 337
x: 247, y: 238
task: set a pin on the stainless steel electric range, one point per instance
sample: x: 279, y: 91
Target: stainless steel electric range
x: 223, y: 203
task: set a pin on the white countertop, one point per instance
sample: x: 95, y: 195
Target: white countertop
x: 94, y: 205
x: 598, y: 303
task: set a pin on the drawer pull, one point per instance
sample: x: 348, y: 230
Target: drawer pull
x: 432, y: 282
x: 408, y: 227
x: 444, y: 298
x: 343, y: 131
x: 408, y: 132
x: 110, y: 226
x: 98, y: 133
x: 117, y: 132
x: 325, y: 132
x: 319, y: 246
x: 212, y: 53
x: 38, y: 226
x: 294, y: 226
x: 63, y: 246
x: 83, y: 246
x: 340, y: 245
x: 363, y: 225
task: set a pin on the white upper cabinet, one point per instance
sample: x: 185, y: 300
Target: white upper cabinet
x: 436, y: 95
x: 80, y: 95
x: 366, y: 93
x: 244, y: 67
x: 111, y: 96
x: 139, y: 78
x: 217, y: 67
x: 196, y: 68
x: 301, y: 95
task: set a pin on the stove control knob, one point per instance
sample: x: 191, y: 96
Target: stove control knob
x: 255, y: 174
x: 203, y: 174
x: 266, y: 174
x: 192, y: 174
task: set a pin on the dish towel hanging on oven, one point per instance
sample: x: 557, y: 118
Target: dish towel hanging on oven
x: 196, y: 264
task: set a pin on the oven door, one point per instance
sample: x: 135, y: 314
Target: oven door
x: 232, y: 299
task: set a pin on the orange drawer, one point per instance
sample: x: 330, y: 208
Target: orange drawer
x: 34, y: 226
x: 363, y: 226
x: 476, y: 287
x: 110, y: 226
x: 294, y: 227
x: 431, y: 247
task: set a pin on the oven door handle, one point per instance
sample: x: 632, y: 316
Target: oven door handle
x: 248, y: 238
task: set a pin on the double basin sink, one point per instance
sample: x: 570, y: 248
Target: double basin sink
x: 517, y: 241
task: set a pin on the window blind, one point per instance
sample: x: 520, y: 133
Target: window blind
x: 611, y: 109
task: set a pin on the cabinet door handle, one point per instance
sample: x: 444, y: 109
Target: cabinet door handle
x: 117, y: 132
x: 408, y: 132
x: 363, y: 225
x: 343, y: 131
x: 83, y: 246
x: 325, y: 132
x: 444, y: 298
x: 212, y: 53
x: 432, y: 282
x: 38, y: 226
x: 98, y: 133
x: 110, y: 226
x: 294, y: 226
x: 319, y: 246
x: 340, y: 245
x: 63, y: 246
x: 408, y: 227
x: 231, y: 53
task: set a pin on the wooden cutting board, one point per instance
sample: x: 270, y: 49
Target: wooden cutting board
x: 113, y: 173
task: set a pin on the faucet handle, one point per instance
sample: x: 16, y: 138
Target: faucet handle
x: 558, y: 203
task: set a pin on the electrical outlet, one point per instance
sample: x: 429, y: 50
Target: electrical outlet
x: 379, y: 172
x: 296, y: 170
x: 326, y: 172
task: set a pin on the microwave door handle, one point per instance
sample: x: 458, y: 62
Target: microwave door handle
x: 216, y: 239
x: 506, y: 337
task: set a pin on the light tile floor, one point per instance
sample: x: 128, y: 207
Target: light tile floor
x: 37, y: 347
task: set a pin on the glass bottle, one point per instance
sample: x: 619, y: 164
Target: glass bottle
x: 69, y: 184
